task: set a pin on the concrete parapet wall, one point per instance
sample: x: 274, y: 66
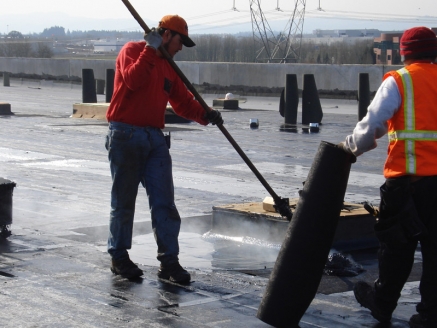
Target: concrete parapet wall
x: 328, y: 77
x: 57, y: 68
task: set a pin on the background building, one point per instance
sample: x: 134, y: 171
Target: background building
x: 108, y: 46
x: 387, y: 50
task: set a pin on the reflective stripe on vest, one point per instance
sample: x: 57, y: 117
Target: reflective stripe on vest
x: 410, y: 135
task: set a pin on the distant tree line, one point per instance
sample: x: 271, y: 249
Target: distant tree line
x: 60, y: 34
x: 358, y: 52
x: 209, y: 47
x: 16, y: 45
x: 25, y: 48
x: 219, y: 48
x: 57, y: 31
x: 228, y: 48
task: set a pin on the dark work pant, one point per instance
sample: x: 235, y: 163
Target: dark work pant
x: 396, y: 258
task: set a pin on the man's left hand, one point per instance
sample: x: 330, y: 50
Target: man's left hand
x: 153, y: 39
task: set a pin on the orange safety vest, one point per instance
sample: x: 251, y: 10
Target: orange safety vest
x: 412, y: 131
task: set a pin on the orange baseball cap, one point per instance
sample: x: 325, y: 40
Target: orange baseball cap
x: 178, y: 25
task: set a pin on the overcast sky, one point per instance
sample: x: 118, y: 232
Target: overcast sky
x: 29, y: 16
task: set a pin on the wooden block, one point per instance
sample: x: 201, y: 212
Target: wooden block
x: 349, y: 209
x: 355, y: 229
x: 268, y: 204
x: 226, y: 103
x: 90, y: 110
x: 98, y: 111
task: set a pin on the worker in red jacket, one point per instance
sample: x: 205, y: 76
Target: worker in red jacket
x: 405, y: 107
x: 137, y: 150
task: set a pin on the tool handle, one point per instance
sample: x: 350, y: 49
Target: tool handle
x: 136, y: 16
x: 248, y: 162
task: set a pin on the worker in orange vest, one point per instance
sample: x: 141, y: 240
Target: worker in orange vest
x: 405, y: 107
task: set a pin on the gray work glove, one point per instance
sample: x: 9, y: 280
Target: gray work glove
x: 342, y: 145
x: 214, y: 117
x: 153, y: 39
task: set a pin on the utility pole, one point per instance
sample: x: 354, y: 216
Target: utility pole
x: 277, y: 6
x: 283, y: 47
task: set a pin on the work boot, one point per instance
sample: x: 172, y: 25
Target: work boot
x: 365, y: 295
x: 126, y: 268
x: 174, y: 272
x: 417, y: 321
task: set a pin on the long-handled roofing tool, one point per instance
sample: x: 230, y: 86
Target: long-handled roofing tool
x: 282, y: 205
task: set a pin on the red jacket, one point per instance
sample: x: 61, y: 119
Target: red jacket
x: 143, y: 85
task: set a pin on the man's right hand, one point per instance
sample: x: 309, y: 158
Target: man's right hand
x: 153, y: 39
x: 214, y: 117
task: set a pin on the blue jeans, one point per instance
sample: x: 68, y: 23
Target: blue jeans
x: 140, y: 155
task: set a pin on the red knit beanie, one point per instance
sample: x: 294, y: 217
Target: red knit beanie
x: 418, y: 42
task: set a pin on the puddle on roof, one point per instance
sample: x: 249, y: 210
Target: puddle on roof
x: 210, y: 251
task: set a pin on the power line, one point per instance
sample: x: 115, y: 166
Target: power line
x: 274, y: 14
x: 285, y: 46
x: 210, y: 14
x: 240, y: 17
x: 371, y: 16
